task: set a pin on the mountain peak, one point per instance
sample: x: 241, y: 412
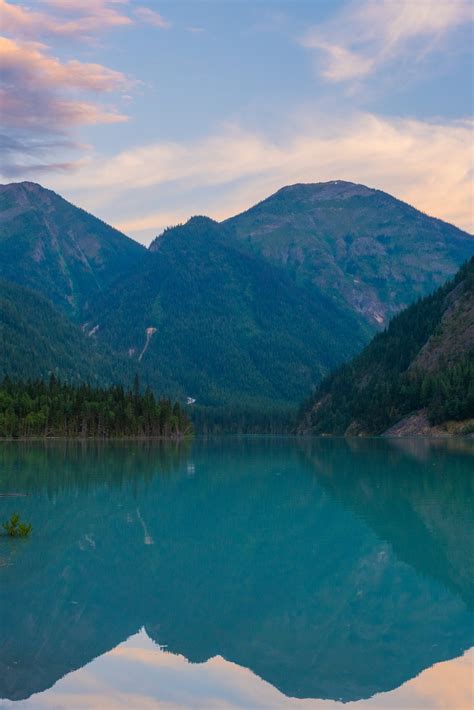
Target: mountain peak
x: 351, y: 240
x: 28, y: 195
x: 196, y: 225
x: 307, y: 195
x: 58, y: 249
x: 200, y: 220
x: 324, y: 190
x: 24, y: 185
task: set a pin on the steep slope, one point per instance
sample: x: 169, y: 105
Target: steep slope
x: 208, y: 320
x: 37, y: 340
x: 252, y: 312
x: 366, y: 250
x: 422, y: 366
x: 57, y: 249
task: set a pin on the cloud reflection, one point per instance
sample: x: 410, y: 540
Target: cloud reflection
x: 139, y: 674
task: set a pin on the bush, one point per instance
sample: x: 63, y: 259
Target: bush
x: 15, y: 528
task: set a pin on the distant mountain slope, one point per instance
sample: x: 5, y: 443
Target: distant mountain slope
x: 420, y: 371
x: 37, y: 340
x: 364, y: 249
x: 253, y: 312
x: 230, y: 327
x: 50, y: 245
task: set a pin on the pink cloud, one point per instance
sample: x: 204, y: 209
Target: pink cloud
x: 28, y: 63
x: 79, y: 19
x: 150, y: 17
x: 42, y: 98
x: 423, y: 163
x: 41, y: 102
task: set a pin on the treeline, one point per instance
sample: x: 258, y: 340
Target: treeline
x: 447, y: 394
x: 57, y: 409
x: 381, y: 386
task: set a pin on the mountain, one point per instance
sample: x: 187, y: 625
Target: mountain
x: 36, y: 340
x: 219, y: 324
x: 366, y: 250
x: 417, y: 377
x: 252, y: 312
x: 48, y: 244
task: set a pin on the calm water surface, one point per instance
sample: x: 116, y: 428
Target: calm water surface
x: 238, y: 573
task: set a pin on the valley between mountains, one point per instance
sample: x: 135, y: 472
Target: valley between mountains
x: 248, y: 316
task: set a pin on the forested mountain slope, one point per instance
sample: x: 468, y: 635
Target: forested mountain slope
x: 230, y: 326
x: 37, y: 340
x: 422, y: 365
x: 366, y: 250
x: 253, y: 312
x: 48, y: 244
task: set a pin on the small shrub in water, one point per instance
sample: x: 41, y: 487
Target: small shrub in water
x: 15, y: 528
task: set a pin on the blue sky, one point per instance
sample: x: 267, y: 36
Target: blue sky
x: 148, y: 112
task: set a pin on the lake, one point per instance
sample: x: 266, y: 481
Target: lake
x: 238, y: 573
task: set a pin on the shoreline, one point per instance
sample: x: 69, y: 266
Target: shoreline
x: 104, y: 439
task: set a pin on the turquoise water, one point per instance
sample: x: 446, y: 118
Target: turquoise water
x: 329, y: 569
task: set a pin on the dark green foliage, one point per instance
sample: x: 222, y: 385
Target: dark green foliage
x: 37, y: 340
x: 252, y: 313
x: 246, y: 316
x: 37, y: 409
x: 449, y: 394
x: 15, y: 528
x: 387, y: 381
x: 231, y: 328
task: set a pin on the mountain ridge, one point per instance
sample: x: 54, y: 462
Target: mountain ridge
x: 376, y: 251
x: 50, y: 245
x: 227, y: 316
x: 253, y: 311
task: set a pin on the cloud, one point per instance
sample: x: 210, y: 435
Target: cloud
x: 26, y: 157
x: 155, y: 221
x: 40, y: 102
x: 150, y: 17
x: 139, y: 674
x: 366, y: 35
x: 29, y: 64
x: 71, y: 18
x: 42, y: 97
x: 426, y: 164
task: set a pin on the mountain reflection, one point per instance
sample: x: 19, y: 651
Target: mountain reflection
x: 330, y: 570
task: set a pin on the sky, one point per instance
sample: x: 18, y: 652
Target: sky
x: 146, y: 112
x: 121, y: 679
